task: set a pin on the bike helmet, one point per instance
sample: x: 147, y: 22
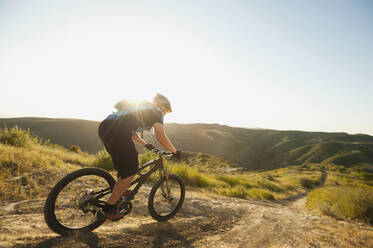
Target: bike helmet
x: 163, y: 101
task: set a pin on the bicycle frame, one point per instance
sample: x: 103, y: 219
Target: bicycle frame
x: 142, y: 177
x: 158, y: 165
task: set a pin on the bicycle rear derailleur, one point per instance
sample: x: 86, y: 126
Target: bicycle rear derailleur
x: 83, y: 201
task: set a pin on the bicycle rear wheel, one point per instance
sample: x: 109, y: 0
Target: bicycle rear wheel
x: 166, y: 197
x: 73, y: 202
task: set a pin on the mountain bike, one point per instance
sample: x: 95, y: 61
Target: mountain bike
x: 73, y: 203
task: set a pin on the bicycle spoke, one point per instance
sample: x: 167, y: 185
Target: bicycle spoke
x: 74, y: 207
x: 165, y: 203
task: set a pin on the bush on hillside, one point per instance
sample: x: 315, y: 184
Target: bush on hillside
x: 342, y: 202
x: 48, y: 143
x: 240, y: 191
x: 17, y: 137
x: 191, y: 176
x: 103, y: 160
x: 260, y: 194
x: 269, y: 177
x: 269, y: 186
x: 145, y: 157
x: 76, y: 149
x: 308, y: 183
x: 358, y: 174
x: 237, y: 191
x: 366, y: 176
x: 231, y: 180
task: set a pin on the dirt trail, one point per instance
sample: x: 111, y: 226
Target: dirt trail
x: 202, y: 222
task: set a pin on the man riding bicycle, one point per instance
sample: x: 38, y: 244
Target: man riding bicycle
x: 119, y: 131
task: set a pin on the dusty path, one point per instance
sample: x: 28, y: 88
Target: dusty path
x: 202, y: 222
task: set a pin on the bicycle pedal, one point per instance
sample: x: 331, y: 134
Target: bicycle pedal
x: 125, y: 207
x: 100, y: 215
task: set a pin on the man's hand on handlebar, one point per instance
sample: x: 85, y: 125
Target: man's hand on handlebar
x: 177, y: 155
x: 150, y: 147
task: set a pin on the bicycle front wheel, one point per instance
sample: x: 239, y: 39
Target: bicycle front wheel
x: 166, y: 197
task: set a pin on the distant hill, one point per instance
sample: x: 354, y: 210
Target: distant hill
x: 65, y: 132
x: 250, y: 148
x: 267, y: 149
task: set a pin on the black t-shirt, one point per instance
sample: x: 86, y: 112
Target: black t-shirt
x: 138, y: 118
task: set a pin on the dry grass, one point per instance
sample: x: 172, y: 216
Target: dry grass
x: 29, y: 170
x: 275, y: 184
x: 343, y: 202
x: 348, y: 193
x: 29, y: 167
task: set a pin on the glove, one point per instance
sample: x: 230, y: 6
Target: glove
x: 149, y: 146
x: 177, y: 154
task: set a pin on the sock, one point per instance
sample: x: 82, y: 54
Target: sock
x: 108, y: 208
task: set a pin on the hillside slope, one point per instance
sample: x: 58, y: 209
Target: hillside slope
x: 251, y: 148
x: 206, y: 219
x: 65, y: 132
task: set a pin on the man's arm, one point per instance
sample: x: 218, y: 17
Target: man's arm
x: 136, y: 138
x: 162, y: 138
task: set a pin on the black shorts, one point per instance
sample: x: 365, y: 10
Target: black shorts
x: 116, y: 137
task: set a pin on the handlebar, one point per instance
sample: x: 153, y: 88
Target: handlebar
x: 162, y: 153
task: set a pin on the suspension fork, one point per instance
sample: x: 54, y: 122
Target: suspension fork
x: 164, y: 173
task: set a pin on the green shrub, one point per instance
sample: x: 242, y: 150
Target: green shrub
x: 269, y: 177
x: 342, y: 202
x: 103, y: 160
x: 308, y: 183
x: 76, y: 149
x: 145, y: 157
x: 232, y: 181
x: 342, y: 169
x: 191, y: 176
x: 366, y: 176
x: 355, y: 174
x: 259, y: 194
x: 17, y: 137
x: 270, y: 186
x: 238, y: 191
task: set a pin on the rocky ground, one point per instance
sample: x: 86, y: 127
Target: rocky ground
x: 204, y: 221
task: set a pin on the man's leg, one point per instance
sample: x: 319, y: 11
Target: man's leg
x: 124, y: 155
x: 110, y: 210
x: 119, y: 188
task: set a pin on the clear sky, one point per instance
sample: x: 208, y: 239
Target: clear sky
x: 287, y: 65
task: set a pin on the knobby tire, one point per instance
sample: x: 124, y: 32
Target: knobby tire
x: 152, y: 211
x: 49, y: 207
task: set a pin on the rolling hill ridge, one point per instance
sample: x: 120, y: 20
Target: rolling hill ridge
x: 256, y: 149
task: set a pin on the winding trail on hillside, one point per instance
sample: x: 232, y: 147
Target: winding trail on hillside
x: 301, y: 197
x: 204, y: 221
